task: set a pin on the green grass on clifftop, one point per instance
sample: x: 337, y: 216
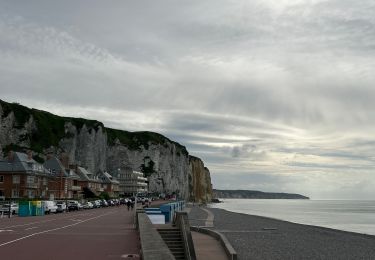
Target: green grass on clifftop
x: 134, y: 140
x: 50, y: 130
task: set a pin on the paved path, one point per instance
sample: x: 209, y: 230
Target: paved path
x: 106, y: 233
x: 207, y: 247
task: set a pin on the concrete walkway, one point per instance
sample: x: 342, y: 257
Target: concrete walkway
x: 207, y: 247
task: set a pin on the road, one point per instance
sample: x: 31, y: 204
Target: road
x: 105, y: 233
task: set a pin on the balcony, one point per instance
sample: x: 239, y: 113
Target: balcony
x: 32, y: 185
x: 75, y: 188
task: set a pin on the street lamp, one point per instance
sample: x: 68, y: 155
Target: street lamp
x: 10, y: 197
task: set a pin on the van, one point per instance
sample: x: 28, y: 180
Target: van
x: 50, y: 207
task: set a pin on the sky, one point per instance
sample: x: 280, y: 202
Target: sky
x: 275, y: 96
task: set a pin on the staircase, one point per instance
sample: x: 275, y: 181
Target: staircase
x: 173, y: 238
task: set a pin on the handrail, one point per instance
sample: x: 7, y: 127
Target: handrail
x: 182, y: 222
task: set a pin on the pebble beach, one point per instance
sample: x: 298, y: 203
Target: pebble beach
x: 255, y: 237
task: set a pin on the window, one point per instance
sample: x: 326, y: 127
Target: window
x: 15, y: 193
x: 30, y: 179
x: 30, y: 194
x: 16, y: 179
x: 1, y: 178
x: 1, y: 193
x: 44, y: 181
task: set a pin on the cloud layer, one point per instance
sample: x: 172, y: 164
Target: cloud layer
x: 276, y: 96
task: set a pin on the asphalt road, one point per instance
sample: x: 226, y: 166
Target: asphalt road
x: 105, y: 233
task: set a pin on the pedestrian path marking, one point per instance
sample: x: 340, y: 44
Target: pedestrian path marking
x: 5, y: 230
x: 54, y: 229
x: 31, y: 228
x: 210, y: 218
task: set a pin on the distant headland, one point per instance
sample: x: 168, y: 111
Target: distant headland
x: 253, y: 194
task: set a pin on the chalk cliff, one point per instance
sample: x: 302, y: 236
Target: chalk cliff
x: 90, y: 144
x: 201, y: 187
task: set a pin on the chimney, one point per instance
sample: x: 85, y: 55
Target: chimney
x: 64, y: 159
x: 11, y: 156
x: 29, y: 155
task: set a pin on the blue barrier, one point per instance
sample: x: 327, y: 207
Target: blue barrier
x: 151, y: 209
x: 154, y: 213
x: 170, y: 208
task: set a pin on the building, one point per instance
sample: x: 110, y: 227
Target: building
x: 89, y: 181
x: 110, y: 184
x: 131, y: 182
x: 62, y: 183
x: 22, y: 177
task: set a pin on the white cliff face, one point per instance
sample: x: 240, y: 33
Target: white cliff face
x: 89, y: 148
x: 170, y: 166
x: 86, y: 147
x: 11, y: 133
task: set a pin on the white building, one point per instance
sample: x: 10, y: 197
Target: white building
x: 132, y: 182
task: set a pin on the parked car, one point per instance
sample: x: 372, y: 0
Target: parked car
x: 61, y: 206
x: 96, y: 204
x: 13, y: 208
x: 88, y: 205
x: 50, y: 207
x: 104, y: 203
x: 73, y: 205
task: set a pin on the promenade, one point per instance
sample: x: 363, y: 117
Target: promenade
x: 104, y: 233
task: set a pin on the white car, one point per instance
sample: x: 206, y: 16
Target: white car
x: 50, y: 207
x: 88, y: 205
x: 61, y: 206
x: 13, y: 208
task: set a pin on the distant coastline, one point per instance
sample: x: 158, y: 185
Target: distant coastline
x: 253, y: 194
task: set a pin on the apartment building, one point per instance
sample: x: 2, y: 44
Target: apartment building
x: 22, y: 177
x: 131, y: 182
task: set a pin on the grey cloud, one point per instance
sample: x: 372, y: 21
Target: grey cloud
x: 282, y: 89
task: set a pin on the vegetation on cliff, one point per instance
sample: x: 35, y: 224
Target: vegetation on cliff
x: 252, y: 194
x: 49, y: 130
x: 134, y: 140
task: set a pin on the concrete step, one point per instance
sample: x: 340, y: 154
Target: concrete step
x: 179, y: 251
x: 173, y: 239
x: 173, y: 242
x: 170, y: 236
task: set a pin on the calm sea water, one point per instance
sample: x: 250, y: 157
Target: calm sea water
x: 348, y: 215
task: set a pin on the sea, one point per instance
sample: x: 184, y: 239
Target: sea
x: 348, y: 215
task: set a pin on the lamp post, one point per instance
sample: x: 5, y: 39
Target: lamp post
x: 10, y: 197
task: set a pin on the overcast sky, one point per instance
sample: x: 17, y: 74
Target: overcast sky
x: 272, y: 95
